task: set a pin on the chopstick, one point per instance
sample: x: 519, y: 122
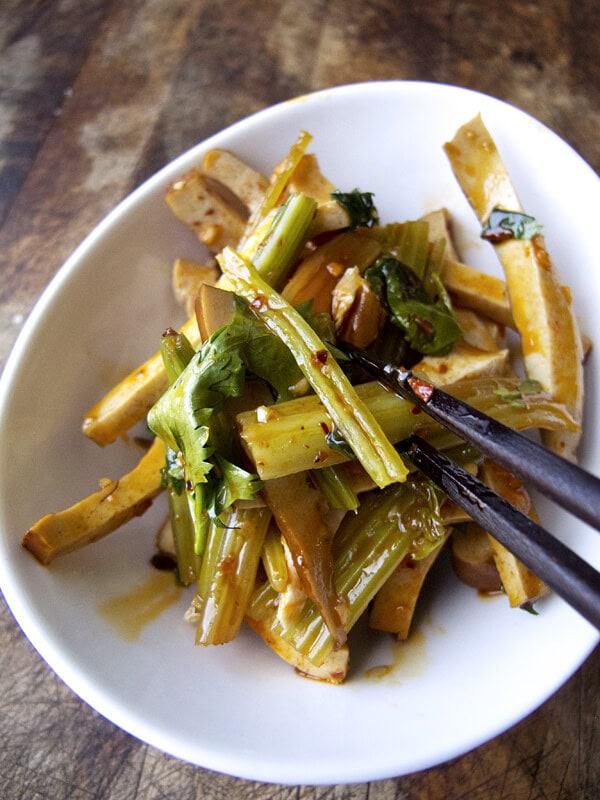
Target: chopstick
x: 564, y: 482
x: 576, y: 490
x: 560, y: 568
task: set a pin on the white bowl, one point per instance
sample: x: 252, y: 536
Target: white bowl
x: 474, y: 667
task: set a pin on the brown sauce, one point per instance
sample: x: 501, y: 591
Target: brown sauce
x: 129, y: 613
x: 409, y: 659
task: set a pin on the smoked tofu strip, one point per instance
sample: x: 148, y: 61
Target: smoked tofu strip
x: 541, y: 306
x: 196, y: 201
x: 244, y: 182
x: 101, y: 513
x: 129, y: 401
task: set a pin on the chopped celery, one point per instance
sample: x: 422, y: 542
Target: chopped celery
x: 409, y: 243
x: 279, y: 181
x: 187, y: 419
x: 176, y: 352
x: 273, y: 559
x: 368, y: 548
x: 291, y: 436
x: 182, y: 527
x: 348, y: 413
x: 336, y: 487
x: 228, y: 574
x: 287, y: 233
x: 434, y: 267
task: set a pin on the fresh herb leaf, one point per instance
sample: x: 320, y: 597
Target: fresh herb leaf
x: 336, y: 441
x: 503, y: 225
x: 186, y: 418
x: 189, y: 419
x: 227, y: 484
x: 516, y: 396
x: 264, y: 354
x: 181, y: 417
x: 321, y: 322
x: 267, y: 357
x: 236, y: 484
x: 360, y: 207
x: 530, y: 609
x: 427, y: 321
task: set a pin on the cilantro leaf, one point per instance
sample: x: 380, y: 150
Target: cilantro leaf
x: 360, y: 207
x: 186, y: 418
x: 503, y: 225
x: 427, y: 321
x: 337, y: 441
x: 264, y: 354
x: 517, y: 396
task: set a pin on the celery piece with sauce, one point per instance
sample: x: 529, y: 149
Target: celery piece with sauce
x: 263, y: 214
x: 370, y: 544
x: 346, y: 410
x: 292, y: 436
x: 273, y: 559
x: 276, y: 254
x: 182, y: 524
x: 336, y: 487
x: 177, y: 352
x: 187, y: 419
x: 228, y: 574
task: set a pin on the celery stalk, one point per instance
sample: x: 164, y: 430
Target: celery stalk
x: 182, y: 527
x: 336, y: 487
x: 177, y: 352
x: 228, y: 574
x: 408, y: 242
x: 414, y: 246
x: 277, y: 252
x: 273, y: 559
x: 347, y: 411
x: 278, y: 183
x: 292, y: 436
x: 368, y: 548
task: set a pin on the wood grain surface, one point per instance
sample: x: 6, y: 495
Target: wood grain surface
x: 95, y: 95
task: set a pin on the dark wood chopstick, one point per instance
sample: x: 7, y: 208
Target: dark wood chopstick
x: 560, y: 568
x: 566, y: 483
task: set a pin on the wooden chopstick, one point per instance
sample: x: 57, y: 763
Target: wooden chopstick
x: 566, y: 483
x: 560, y: 568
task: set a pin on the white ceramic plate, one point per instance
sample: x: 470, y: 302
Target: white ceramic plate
x: 474, y: 667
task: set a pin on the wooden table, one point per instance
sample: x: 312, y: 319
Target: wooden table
x: 95, y: 96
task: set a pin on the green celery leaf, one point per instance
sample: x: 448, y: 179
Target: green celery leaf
x: 360, y: 207
x: 235, y: 484
x: 184, y: 419
x: 503, y: 225
x: 427, y: 322
x: 264, y: 354
x: 336, y: 441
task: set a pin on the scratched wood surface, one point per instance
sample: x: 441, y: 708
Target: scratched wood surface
x: 94, y: 97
